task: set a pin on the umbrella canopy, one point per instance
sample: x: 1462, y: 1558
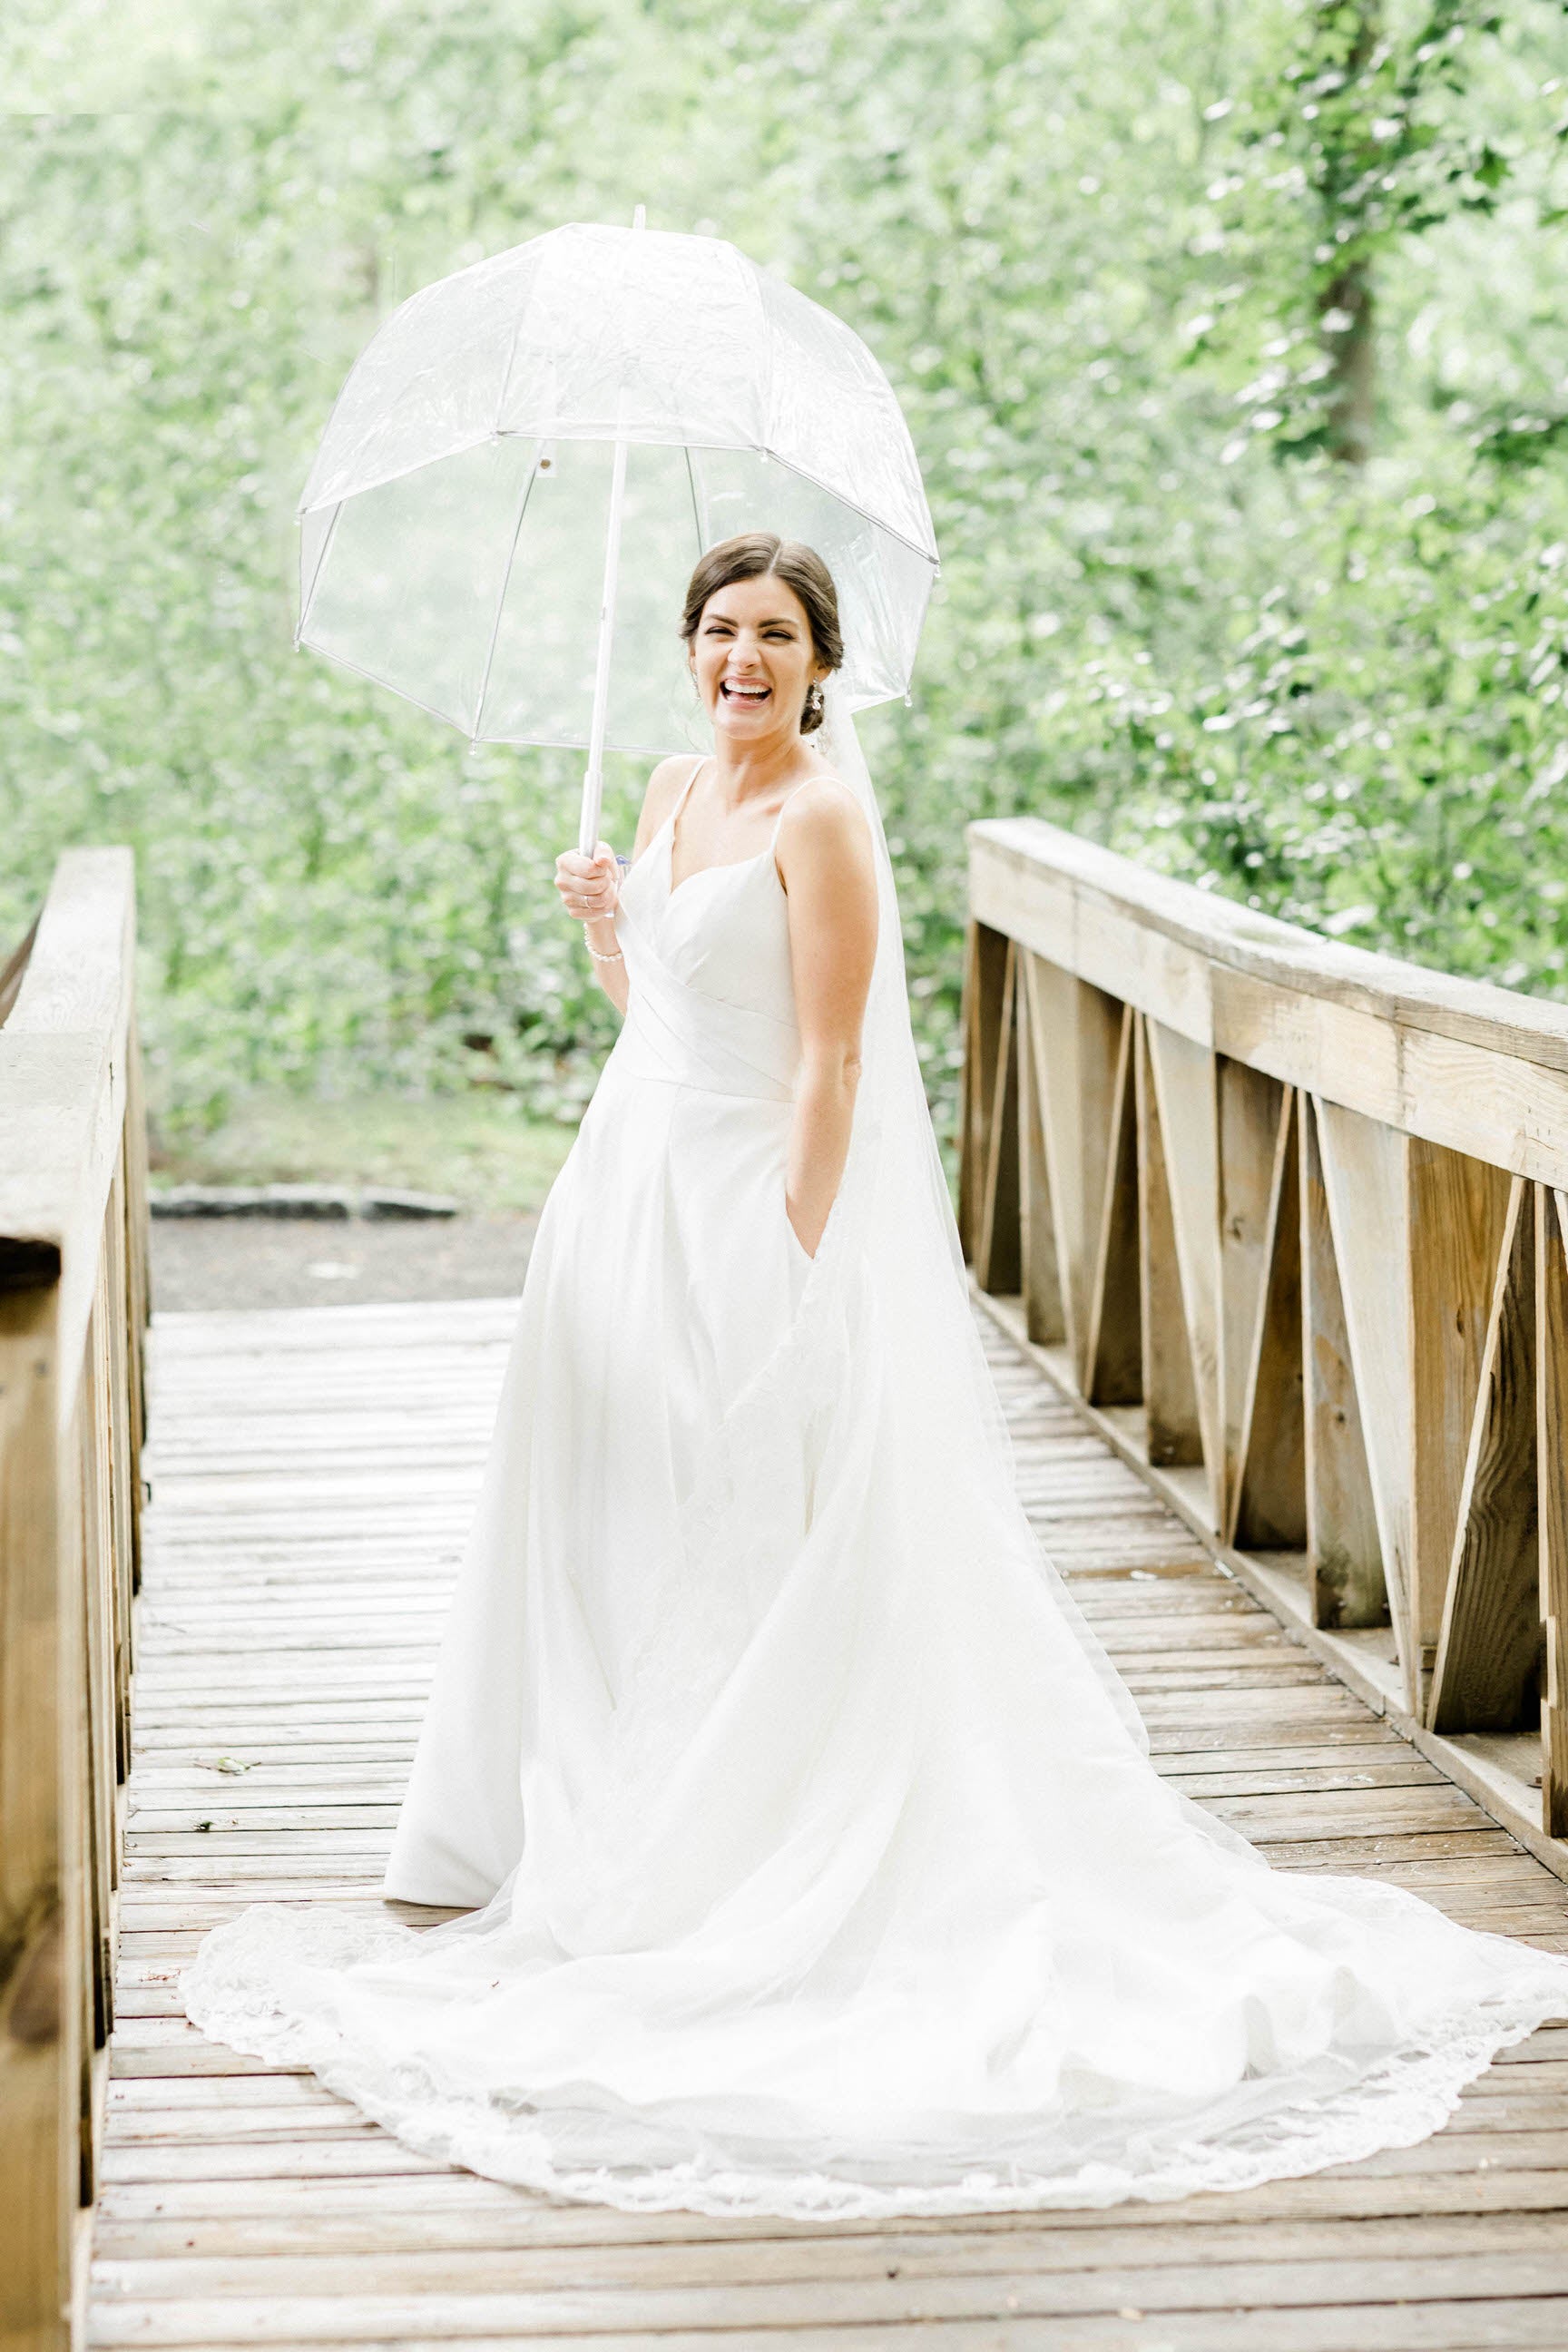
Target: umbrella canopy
x: 454, y: 528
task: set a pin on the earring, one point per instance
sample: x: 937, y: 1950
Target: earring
x: 815, y: 702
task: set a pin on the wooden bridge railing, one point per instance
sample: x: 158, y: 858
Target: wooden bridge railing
x: 1290, y: 1219
x: 73, y: 1308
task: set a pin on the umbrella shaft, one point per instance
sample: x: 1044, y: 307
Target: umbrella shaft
x: 594, y: 781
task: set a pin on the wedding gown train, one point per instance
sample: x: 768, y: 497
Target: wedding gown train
x: 820, y: 1867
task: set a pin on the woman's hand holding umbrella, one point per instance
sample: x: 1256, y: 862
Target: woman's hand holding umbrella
x: 589, y: 887
x: 590, y: 891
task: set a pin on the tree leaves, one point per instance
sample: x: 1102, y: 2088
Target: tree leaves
x: 1094, y: 248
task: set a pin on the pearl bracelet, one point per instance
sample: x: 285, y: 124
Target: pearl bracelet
x: 616, y: 957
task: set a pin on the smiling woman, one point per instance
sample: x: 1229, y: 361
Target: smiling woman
x: 762, y: 634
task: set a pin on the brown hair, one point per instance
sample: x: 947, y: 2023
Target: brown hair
x: 760, y: 554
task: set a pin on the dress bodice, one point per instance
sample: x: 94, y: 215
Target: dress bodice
x: 711, y: 990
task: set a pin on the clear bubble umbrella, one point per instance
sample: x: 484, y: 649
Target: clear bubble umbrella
x: 529, y: 457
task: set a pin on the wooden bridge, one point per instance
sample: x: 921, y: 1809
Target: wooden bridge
x: 1269, y: 1264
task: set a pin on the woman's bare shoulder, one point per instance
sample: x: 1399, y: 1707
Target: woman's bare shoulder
x: 826, y: 856
x: 825, y: 813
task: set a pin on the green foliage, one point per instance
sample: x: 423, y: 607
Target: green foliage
x: 1092, y: 245
x: 1361, y: 135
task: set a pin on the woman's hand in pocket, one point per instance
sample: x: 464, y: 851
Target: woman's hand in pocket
x: 809, y: 1253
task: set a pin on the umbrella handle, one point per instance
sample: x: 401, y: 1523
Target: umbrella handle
x: 593, y: 780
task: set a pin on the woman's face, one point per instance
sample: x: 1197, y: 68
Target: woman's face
x: 754, y: 661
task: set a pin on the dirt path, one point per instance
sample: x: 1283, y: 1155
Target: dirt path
x: 238, y: 1262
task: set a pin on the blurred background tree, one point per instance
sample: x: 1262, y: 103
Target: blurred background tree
x: 1228, y: 332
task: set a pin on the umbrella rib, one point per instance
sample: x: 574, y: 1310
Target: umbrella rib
x: 500, y: 600
x: 316, y: 575
x: 879, y: 522
x: 696, y: 502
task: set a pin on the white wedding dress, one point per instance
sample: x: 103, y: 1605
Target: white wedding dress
x: 822, y: 1866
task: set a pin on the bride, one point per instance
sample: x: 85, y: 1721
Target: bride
x: 812, y: 1858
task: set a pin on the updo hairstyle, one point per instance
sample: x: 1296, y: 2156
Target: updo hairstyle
x: 754, y: 556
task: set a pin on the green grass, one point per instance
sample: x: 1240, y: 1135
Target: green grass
x: 482, y: 1147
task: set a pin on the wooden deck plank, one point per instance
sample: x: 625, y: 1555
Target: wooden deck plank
x: 242, y: 2204
x: 1468, y: 2327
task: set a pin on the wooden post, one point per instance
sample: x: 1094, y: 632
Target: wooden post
x: 1114, y: 1354
x: 997, y: 1251
x: 1186, y: 1093
x: 1079, y: 1080
x: 987, y: 972
x: 138, y: 1281
x: 73, y: 1299
x: 1045, y: 1317
x: 1343, y: 1551
x: 1170, y: 1400
x: 1250, y: 1105
x: 1552, y: 1473
x: 1486, y: 1673
x: 1457, y: 1210
x: 1268, y: 1499
x: 41, y: 1685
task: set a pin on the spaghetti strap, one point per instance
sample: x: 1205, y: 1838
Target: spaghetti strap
x: 773, y: 837
x: 702, y: 759
x: 673, y: 819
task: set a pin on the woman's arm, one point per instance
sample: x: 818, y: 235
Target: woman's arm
x: 595, y: 881
x: 826, y: 857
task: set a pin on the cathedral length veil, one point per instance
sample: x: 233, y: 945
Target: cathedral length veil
x: 893, y: 1217
x: 864, y: 1898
